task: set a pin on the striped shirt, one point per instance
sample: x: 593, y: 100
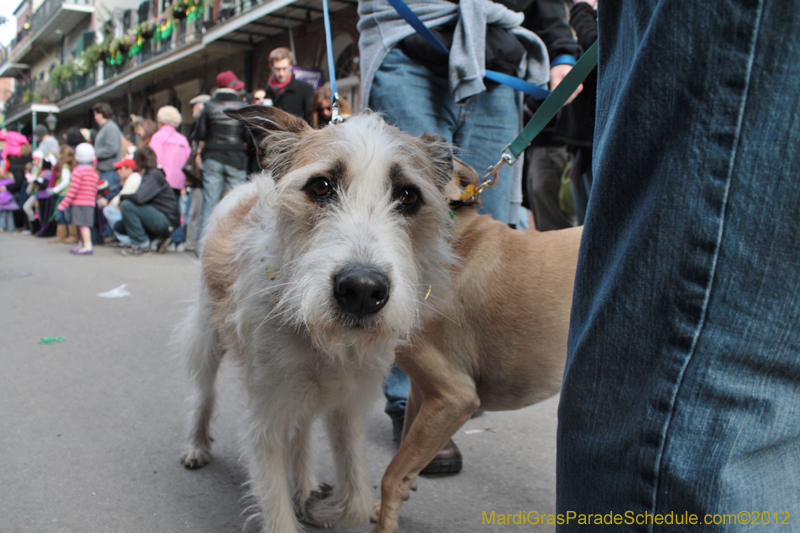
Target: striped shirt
x: 82, y: 187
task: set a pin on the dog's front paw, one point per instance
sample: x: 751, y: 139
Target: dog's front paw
x: 194, y: 458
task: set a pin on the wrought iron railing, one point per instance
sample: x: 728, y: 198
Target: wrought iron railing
x: 44, y: 92
x: 49, y: 8
x: 186, y: 32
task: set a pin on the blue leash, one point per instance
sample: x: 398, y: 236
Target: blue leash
x: 335, y: 118
x: 521, y: 85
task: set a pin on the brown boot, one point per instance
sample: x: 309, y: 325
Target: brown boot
x: 61, y: 234
x: 73, y: 235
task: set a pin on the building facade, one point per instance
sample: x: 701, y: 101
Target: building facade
x: 71, y: 54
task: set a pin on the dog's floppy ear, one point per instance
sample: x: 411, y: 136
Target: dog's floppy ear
x: 275, y: 133
x: 441, y: 156
x: 464, y: 173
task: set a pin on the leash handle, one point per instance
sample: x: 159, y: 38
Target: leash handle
x: 538, y: 121
x: 553, y: 103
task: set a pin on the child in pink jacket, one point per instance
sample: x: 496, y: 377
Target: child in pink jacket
x: 82, y: 196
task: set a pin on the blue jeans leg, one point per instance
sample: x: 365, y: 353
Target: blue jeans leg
x: 112, y: 177
x: 63, y: 217
x: 416, y: 101
x: 178, y: 236
x: 396, y: 390
x: 114, y: 215
x: 143, y: 222
x: 217, y: 175
x: 682, y: 386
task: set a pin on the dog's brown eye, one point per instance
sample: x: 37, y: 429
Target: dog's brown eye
x: 409, y: 198
x: 319, y: 189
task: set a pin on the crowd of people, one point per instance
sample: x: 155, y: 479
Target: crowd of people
x: 152, y: 192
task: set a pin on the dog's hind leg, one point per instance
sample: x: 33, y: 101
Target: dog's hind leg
x: 351, y: 502
x: 203, y: 353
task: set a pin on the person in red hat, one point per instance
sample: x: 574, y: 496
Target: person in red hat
x: 223, y: 143
x: 130, y: 180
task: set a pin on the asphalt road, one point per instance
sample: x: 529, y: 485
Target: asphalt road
x: 91, y: 428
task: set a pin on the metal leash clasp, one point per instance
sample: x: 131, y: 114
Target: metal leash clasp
x: 335, y: 118
x: 472, y: 192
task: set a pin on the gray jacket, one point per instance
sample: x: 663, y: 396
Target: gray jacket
x: 108, y: 146
x: 382, y: 28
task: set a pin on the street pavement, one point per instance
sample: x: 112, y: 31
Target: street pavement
x: 91, y: 428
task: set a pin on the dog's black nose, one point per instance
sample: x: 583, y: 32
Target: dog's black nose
x: 361, y: 291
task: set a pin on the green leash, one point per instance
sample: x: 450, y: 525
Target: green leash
x: 538, y: 121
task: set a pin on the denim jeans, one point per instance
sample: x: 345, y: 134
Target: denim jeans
x: 217, y: 175
x: 143, y: 222
x: 416, y: 101
x: 179, y: 235
x: 682, y: 386
x: 112, y: 177
x: 63, y: 217
x: 114, y: 215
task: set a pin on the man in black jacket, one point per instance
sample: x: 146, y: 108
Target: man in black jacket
x: 150, y: 212
x: 287, y: 92
x: 223, y: 144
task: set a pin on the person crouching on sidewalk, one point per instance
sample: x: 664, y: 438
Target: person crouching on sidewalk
x: 151, y: 211
x: 82, y: 196
x: 129, y: 179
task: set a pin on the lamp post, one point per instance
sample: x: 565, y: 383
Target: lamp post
x: 51, y: 122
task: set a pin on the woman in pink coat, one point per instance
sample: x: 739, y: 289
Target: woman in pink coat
x: 171, y: 148
x: 172, y: 151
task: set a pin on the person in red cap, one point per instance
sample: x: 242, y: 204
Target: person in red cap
x: 223, y: 143
x: 130, y: 180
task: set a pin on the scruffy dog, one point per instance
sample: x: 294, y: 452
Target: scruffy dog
x: 312, y: 275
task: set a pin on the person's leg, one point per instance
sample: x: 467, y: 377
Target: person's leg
x: 7, y: 220
x: 28, y: 207
x: 86, y: 237
x: 112, y: 177
x: 195, y: 210
x: 233, y: 177
x: 132, y: 215
x: 212, y: 190
x: 155, y: 222
x: 545, y: 167
x: 114, y: 215
x: 682, y: 386
x: 487, y: 123
x: 178, y: 235
x: 412, y: 98
x: 416, y: 101
x: 396, y: 391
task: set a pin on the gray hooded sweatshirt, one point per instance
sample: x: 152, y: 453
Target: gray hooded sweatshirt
x: 382, y: 28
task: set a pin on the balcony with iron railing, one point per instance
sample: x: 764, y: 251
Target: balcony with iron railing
x: 140, y: 49
x: 27, y: 93
x: 49, y: 23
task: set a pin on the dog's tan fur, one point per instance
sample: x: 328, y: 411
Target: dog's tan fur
x: 499, y: 342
